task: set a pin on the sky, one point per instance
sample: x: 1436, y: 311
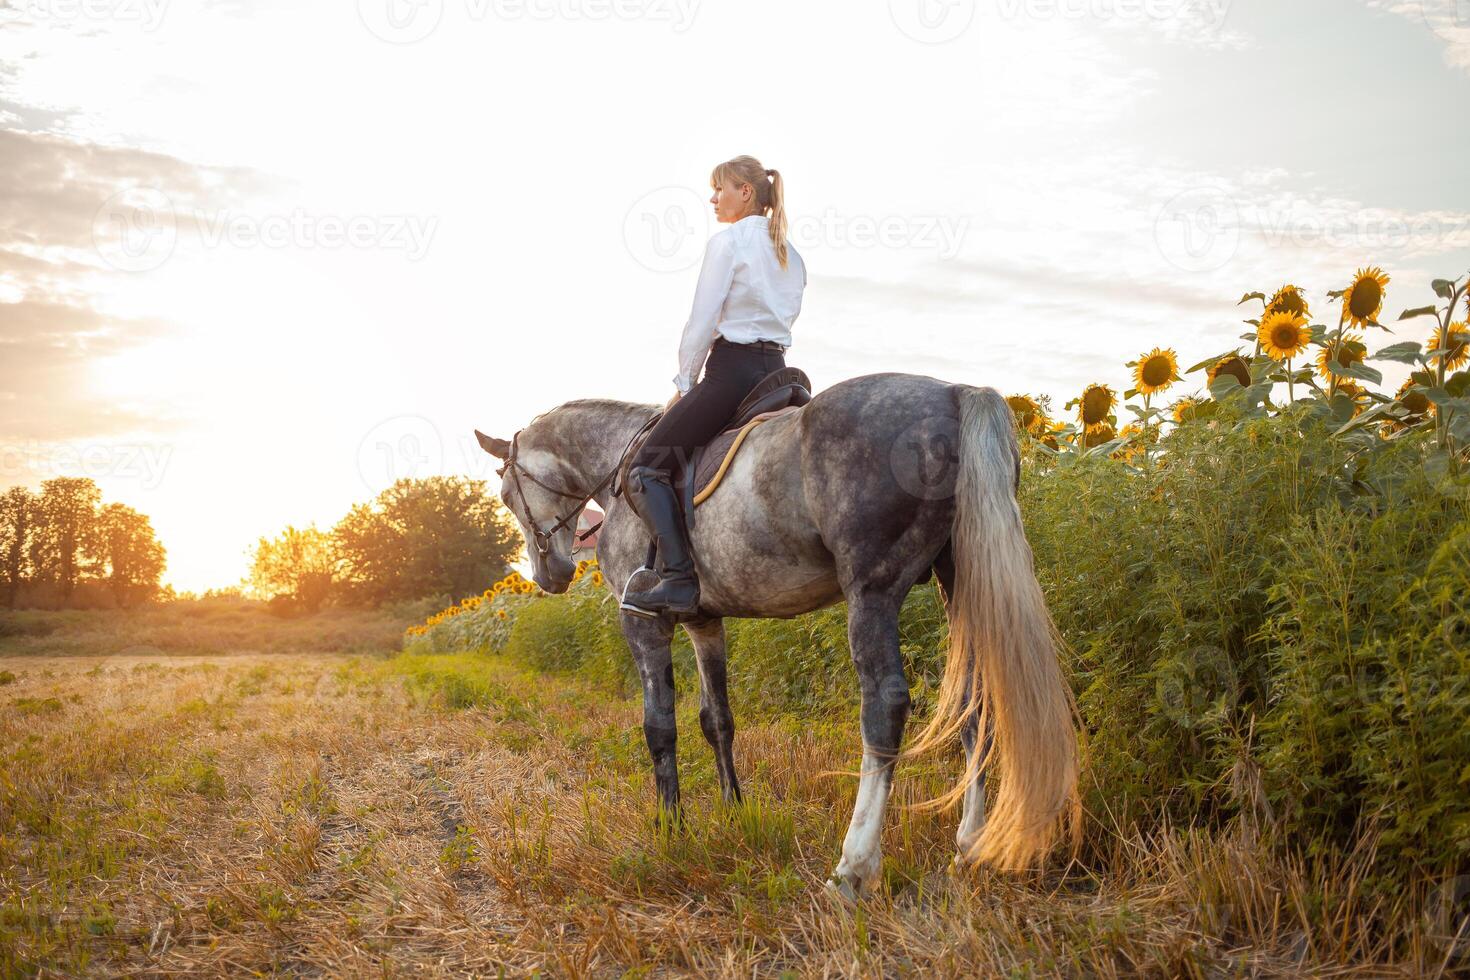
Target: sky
x: 258, y: 259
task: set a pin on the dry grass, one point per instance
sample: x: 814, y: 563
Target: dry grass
x: 446, y: 815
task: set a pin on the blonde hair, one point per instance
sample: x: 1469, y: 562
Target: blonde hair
x: 770, y: 196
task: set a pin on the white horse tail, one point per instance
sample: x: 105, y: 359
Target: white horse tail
x: 1003, y: 645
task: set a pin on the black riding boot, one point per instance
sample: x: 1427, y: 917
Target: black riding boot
x: 677, y: 591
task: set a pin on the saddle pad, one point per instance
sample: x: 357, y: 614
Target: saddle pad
x: 719, y: 452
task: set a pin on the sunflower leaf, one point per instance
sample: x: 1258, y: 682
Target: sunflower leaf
x: 1335, y: 293
x: 1407, y: 352
x: 1129, y: 393
x: 1421, y: 311
x: 1207, y: 362
x: 1259, y: 296
x: 1224, y: 387
x: 1443, y: 288
x: 1366, y: 418
x: 1363, y: 373
x: 1247, y: 336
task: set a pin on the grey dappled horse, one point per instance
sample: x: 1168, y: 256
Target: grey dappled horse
x: 855, y: 496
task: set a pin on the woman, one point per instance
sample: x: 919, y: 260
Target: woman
x: 747, y: 297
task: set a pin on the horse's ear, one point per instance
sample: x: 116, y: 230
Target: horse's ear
x: 498, y: 448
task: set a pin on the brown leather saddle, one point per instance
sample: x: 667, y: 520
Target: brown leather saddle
x: 784, y: 388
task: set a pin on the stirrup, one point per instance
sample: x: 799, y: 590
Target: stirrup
x: 627, y: 606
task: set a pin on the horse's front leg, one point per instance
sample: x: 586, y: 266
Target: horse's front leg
x: 650, y: 640
x: 715, y: 717
x: 872, y: 630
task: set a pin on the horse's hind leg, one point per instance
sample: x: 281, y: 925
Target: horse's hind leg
x: 715, y: 717
x: 872, y: 628
x: 650, y: 640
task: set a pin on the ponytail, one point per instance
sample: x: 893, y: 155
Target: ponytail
x: 770, y: 195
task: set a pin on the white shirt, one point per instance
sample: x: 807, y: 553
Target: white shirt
x: 743, y: 294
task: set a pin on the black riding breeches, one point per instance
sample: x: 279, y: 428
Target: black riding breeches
x: 730, y: 373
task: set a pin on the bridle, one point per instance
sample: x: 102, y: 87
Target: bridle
x: 542, y: 538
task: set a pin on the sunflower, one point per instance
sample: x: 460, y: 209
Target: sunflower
x: 1364, y: 298
x: 1356, y: 392
x: 1413, y: 398
x: 500, y: 614
x: 1338, y: 355
x: 1096, y: 403
x: 1027, y: 412
x: 1284, y: 335
x: 597, y: 579
x: 1138, y: 446
x: 1099, y: 435
x: 1289, y: 299
x: 1155, y: 371
x: 1192, y: 409
x: 1457, y: 349
x: 1235, y: 366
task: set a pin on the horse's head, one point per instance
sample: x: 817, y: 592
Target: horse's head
x: 534, y: 488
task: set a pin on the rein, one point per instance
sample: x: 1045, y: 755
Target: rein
x: 543, y: 538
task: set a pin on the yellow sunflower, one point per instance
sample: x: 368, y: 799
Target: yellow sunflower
x: 500, y: 614
x: 1096, y: 404
x: 1457, y: 348
x: 1155, y: 371
x: 1336, y: 356
x: 1289, y: 299
x: 1027, y: 412
x: 1191, y: 409
x: 1364, y: 298
x: 1235, y: 366
x: 1141, y: 438
x: 597, y: 579
x: 1284, y: 335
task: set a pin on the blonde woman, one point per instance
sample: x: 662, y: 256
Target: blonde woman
x: 747, y: 297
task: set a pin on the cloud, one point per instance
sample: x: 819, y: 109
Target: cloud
x: 1447, y: 19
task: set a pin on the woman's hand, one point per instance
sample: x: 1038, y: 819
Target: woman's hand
x: 677, y: 396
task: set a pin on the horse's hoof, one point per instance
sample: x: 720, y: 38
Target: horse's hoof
x: 841, y: 889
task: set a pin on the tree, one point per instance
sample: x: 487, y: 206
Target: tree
x: 443, y: 535
x: 298, y: 564
x: 17, y: 519
x: 66, y: 524
x: 125, y: 551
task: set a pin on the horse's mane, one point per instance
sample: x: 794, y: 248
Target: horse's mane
x: 600, y: 406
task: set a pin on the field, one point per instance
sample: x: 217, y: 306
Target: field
x: 434, y: 814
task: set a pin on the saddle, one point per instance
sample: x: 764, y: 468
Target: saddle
x: 778, y: 393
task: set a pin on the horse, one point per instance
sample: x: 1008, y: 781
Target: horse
x: 865, y: 491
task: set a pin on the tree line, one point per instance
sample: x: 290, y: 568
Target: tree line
x: 438, y: 536
x: 61, y: 546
